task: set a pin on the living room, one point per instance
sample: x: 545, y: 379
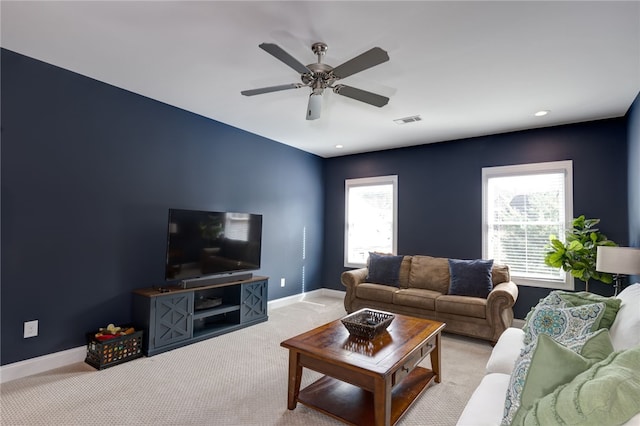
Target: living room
x: 89, y: 171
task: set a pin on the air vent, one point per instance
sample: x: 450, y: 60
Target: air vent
x: 406, y: 120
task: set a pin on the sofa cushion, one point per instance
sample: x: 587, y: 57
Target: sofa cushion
x: 500, y: 274
x: 606, y: 393
x: 405, y: 268
x: 462, y: 305
x: 563, y: 323
x: 384, y: 269
x: 430, y: 273
x: 417, y: 298
x: 625, y: 330
x: 553, y: 364
x: 377, y: 292
x: 545, y: 364
x: 611, y: 304
x: 506, y: 351
x: 470, y: 277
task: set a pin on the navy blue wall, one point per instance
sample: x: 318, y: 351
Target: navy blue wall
x: 89, y: 172
x: 634, y: 176
x: 440, y: 190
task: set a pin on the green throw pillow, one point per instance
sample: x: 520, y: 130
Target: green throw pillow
x: 612, y: 304
x: 553, y: 364
x: 607, y: 393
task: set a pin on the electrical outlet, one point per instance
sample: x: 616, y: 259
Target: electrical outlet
x: 281, y: 282
x: 30, y: 328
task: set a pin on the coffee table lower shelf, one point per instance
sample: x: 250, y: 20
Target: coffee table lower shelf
x: 354, y: 405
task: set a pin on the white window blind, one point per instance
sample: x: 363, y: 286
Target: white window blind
x: 237, y: 226
x: 523, y: 206
x: 370, y: 218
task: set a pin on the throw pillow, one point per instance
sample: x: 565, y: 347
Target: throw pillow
x: 384, y: 269
x: 470, y: 277
x: 552, y: 299
x: 552, y: 364
x: 606, y: 393
x: 563, y: 323
x: 611, y: 304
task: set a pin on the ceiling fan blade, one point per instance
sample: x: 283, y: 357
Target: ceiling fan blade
x: 368, y: 59
x: 280, y: 54
x: 271, y: 89
x: 315, y: 106
x: 361, y: 95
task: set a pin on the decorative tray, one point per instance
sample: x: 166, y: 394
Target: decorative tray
x: 367, y: 323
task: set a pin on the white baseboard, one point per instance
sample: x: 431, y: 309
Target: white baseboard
x: 29, y: 367
x: 284, y: 301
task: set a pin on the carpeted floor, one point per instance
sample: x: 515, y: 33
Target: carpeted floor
x: 235, y: 379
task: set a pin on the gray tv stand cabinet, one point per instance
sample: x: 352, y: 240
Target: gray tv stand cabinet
x: 172, y: 317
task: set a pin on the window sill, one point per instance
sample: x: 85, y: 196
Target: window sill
x: 556, y: 285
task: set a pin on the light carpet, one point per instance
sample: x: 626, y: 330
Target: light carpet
x: 236, y: 379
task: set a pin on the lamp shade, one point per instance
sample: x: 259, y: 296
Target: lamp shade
x: 618, y: 260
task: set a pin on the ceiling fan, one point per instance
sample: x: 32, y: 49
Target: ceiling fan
x: 321, y: 76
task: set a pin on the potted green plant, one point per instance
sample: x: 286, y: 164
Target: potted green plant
x: 577, y: 254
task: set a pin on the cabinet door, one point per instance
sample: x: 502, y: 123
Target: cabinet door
x: 173, y: 319
x: 253, y: 302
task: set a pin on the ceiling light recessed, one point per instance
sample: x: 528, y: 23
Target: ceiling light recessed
x: 541, y: 113
x: 339, y: 146
x: 406, y: 120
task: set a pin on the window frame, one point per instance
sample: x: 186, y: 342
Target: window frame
x: 566, y: 167
x: 370, y: 181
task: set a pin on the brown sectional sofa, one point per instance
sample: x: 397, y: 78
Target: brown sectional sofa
x: 423, y: 284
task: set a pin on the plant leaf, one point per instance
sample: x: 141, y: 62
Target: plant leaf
x: 575, y: 246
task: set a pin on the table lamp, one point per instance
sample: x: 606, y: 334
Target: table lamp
x: 618, y: 261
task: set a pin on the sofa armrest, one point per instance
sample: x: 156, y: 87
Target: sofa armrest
x: 500, y: 307
x: 351, y: 279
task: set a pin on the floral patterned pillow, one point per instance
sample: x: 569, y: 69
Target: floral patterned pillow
x: 563, y: 323
x: 553, y: 299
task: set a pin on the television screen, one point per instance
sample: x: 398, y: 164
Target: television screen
x: 202, y: 243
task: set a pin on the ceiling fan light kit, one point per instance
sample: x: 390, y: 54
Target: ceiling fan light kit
x: 315, y: 106
x: 319, y: 76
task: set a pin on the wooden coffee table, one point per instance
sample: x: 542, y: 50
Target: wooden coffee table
x: 366, y: 382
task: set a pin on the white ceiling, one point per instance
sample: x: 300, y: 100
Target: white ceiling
x: 467, y: 68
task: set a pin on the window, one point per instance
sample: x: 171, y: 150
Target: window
x: 370, y: 218
x: 522, y: 206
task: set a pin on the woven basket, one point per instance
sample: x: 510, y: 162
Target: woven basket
x: 367, y: 323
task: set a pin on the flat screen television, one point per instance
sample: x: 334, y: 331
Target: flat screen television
x: 204, y: 243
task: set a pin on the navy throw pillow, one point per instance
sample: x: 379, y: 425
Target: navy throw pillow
x: 384, y: 269
x: 470, y: 277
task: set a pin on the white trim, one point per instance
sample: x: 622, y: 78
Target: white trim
x: 284, y: 301
x: 566, y: 167
x: 376, y: 180
x: 29, y: 367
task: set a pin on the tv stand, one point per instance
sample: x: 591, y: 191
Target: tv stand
x: 172, y: 317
